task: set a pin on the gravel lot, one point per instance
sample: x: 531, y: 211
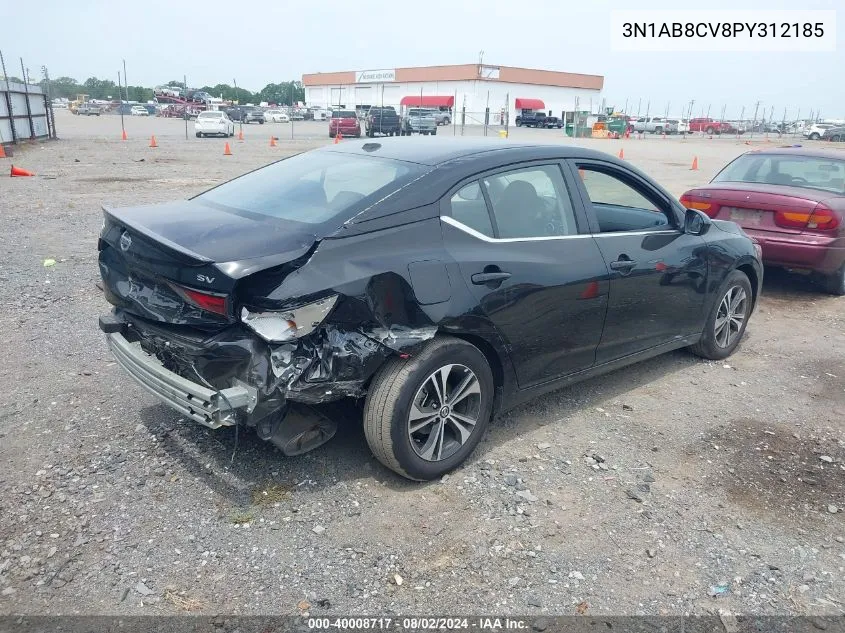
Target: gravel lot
x: 674, y: 486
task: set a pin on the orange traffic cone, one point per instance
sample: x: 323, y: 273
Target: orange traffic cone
x: 272, y: 141
x: 123, y: 135
x: 227, y: 151
x: 17, y: 171
x: 2, y: 151
x: 694, y: 163
x: 153, y: 141
x: 622, y: 153
x: 240, y: 135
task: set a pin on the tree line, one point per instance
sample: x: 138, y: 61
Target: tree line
x: 287, y: 92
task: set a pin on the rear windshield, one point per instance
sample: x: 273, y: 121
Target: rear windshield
x: 314, y: 187
x: 210, y: 115
x: 343, y: 114
x: 809, y: 172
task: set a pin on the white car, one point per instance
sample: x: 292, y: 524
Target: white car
x: 213, y: 123
x: 276, y: 116
x: 139, y: 110
x: 816, y: 130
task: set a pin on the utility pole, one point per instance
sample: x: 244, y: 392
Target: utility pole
x: 122, y: 126
x: 49, y: 104
x: 125, y: 81
x: 754, y: 122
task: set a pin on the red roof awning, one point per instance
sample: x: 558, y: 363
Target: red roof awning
x: 428, y: 101
x: 530, y: 104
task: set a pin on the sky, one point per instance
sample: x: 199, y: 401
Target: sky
x: 220, y: 41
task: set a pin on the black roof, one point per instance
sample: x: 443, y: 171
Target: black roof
x: 434, y: 151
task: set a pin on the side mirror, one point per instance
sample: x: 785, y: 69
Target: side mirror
x: 696, y: 222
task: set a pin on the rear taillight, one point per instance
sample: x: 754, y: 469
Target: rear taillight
x: 688, y: 202
x: 821, y: 218
x: 209, y: 302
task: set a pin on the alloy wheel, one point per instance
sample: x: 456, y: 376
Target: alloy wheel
x: 731, y: 316
x: 444, y: 412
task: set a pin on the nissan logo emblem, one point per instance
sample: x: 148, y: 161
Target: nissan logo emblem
x: 125, y: 241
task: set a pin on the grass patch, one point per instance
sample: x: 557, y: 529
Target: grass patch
x: 239, y: 518
x: 270, y: 493
x: 182, y: 602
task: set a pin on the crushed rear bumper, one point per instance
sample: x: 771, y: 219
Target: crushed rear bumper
x: 210, y: 407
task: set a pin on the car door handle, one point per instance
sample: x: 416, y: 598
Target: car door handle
x: 479, y: 279
x: 624, y: 265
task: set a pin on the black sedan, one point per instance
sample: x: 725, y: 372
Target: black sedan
x: 438, y: 282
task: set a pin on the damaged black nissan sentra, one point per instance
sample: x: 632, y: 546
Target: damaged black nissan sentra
x: 439, y: 281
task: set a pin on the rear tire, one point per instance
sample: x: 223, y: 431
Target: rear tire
x: 199, y: 135
x: 709, y: 130
x: 734, y: 299
x: 433, y: 132
x: 401, y: 387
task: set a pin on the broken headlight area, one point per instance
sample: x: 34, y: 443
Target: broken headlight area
x: 329, y: 363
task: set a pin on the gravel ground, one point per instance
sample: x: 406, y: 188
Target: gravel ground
x: 674, y: 486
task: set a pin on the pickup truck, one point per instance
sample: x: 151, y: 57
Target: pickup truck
x: 552, y: 122
x: 382, y: 121
x: 531, y: 119
x: 656, y: 125
x: 711, y: 126
x: 88, y: 109
x: 418, y: 121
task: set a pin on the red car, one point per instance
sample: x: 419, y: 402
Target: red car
x: 792, y: 200
x: 346, y: 122
x: 711, y: 126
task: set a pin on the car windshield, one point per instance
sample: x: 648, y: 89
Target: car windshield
x: 314, y: 187
x: 343, y: 114
x: 808, y: 172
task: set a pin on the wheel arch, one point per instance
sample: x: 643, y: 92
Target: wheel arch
x: 494, y: 360
x: 748, y: 270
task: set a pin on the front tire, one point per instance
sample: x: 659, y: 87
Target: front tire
x: 727, y: 320
x: 425, y: 415
x: 814, y: 136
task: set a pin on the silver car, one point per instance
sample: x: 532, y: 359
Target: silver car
x: 418, y: 121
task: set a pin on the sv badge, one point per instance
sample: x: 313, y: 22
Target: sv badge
x: 205, y: 279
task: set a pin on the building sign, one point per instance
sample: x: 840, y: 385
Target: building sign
x: 374, y: 76
x: 488, y: 72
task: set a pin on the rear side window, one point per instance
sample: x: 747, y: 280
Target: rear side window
x: 531, y: 202
x: 314, y: 187
x: 619, y: 206
x: 468, y: 208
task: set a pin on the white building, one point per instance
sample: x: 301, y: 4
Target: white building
x: 469, y: 87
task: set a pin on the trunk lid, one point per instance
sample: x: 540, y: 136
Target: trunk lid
x: 154, y: 259
x: 753, y: 209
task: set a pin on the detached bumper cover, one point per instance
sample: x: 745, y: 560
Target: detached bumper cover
x: 209, y: 407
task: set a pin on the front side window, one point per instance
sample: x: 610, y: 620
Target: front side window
x: 618, y: 206
x: 531, y: 202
